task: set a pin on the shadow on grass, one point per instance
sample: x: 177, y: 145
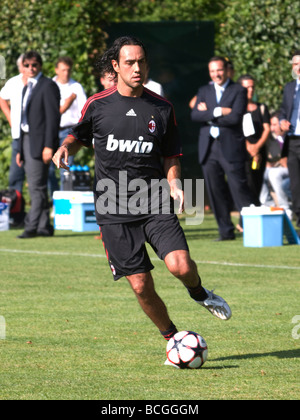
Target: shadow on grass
x: 284, y: 354
x: 207, y: 367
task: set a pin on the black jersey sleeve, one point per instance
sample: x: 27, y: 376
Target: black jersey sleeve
x: 83, y: 130
x: 171, y: 145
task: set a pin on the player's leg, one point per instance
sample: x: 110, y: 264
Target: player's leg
x: 180, y: 264
x: 143, y: 286
x: 167, y: 238
x: 127, y: 256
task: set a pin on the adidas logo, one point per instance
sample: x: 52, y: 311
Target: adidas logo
x: 131, y: 113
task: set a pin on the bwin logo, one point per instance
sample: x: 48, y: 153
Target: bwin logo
x: 136, y: 146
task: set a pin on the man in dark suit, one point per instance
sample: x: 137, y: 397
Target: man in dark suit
x: 219, y: 109
x: 289, y: 116
x: 39, y: 139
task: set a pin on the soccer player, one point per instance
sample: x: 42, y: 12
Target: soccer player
x: 136, y: 144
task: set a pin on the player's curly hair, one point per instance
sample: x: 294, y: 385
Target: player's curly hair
x: 104, y: 63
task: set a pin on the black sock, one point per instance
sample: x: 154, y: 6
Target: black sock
x: 197, y: 293
x: 172, y: 330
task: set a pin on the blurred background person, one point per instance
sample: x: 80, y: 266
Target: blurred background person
x: 219, y: 109
x: 275, y: 190
x: 107, y: 79
x: 38, y: 140
x: 152, y: 85
x: 10, y: 103
x: 289, y: 117
x: 72, y: 99
x: 255, y: 143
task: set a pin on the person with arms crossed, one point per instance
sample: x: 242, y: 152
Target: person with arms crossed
x: 39, y: 137
x: 130, y: 111
x: 219, y: 109
x: 289, y: 117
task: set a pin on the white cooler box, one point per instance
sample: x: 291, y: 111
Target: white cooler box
x: 74, y: 210
x: 83, y: 212
x: 263, y: 226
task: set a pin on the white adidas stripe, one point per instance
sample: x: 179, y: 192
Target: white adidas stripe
x: 131, y: 113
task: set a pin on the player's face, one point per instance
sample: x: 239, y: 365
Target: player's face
x: 131, y: 69
x: 217, y: 72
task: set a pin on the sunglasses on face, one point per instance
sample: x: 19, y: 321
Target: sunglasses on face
x: 34, y: 65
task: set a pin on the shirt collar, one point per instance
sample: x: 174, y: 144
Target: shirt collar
x: 35, y: 79
x: 222, y: 87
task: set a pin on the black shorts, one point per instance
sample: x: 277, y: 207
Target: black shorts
x: 125, y: 248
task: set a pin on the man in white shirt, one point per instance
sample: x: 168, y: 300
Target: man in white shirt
x: 10, y: 103
x: 72, y: 99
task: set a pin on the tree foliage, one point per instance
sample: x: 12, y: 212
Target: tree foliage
x: 260, y: 36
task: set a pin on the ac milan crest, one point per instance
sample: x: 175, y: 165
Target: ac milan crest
x: 151, y: 126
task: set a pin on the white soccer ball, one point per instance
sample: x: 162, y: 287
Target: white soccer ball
x: 187, y: 350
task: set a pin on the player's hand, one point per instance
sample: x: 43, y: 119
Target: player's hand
x: 60, y: 159
x: 177, y: 193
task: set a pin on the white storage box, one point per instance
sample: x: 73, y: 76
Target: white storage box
x: 4, y: 216
x: 62, y: 209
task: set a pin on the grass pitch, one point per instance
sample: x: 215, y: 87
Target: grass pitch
x: 71, y: 333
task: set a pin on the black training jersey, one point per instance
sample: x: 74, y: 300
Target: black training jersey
x: 130, y: 136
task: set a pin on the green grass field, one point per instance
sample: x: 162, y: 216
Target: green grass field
x: 74, y: 334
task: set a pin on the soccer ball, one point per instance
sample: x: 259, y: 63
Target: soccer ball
x: 186, y: 350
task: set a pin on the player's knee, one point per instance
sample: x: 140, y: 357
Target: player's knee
x: 180, y: 269
x: 139, y: 285
x: 181, y: 265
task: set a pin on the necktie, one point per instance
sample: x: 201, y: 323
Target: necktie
x: 295, y: 112
x: 214, y: 131
x: 26, y: 97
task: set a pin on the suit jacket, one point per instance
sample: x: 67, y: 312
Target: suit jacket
x: 231, y: 132
x: 286, y: 108
x: 43, y: 117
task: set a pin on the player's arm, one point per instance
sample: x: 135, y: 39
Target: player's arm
x: 80, y: 135
x: 172, y: 170
x: 69, y: 147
